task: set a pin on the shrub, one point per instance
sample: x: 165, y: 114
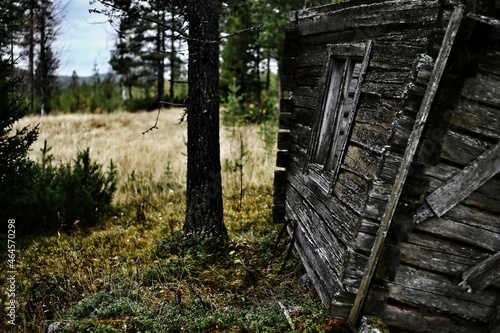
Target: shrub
x: 63, y: 196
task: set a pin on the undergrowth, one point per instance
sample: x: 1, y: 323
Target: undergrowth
x: 134, y: 273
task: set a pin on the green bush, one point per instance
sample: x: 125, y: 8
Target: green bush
x: 64, y: 196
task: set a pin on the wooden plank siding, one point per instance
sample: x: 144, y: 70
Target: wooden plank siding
x: 410, y: 23
x: 426, y: 292
x: 336, y: 222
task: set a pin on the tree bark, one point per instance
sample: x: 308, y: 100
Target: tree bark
x: 204, y: 211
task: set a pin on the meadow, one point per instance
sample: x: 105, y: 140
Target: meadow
x: 133, y: 272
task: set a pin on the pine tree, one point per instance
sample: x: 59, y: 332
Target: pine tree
x: 14, y: 145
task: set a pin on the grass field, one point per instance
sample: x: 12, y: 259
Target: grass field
x: 133, y: 272
x: 119, y: 137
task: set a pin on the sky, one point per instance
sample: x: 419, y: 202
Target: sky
x: 84, y: 39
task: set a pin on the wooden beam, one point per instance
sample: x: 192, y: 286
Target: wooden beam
x: 430, y: 93
x: 482, y: 275
x: 461, y: 185
x: 485, y: 19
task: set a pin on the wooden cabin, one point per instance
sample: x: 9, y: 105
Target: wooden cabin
x: 389, y: 157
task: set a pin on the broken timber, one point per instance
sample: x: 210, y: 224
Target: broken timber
x: 459, y: 187
x: 451, y: 32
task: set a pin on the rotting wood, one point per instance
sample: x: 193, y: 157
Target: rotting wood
x: 413, y: 141
x: 282, y: 159
x: 461, y: 149
x: 484, y: 19
x: 320, y: 271
x: 476, y: 118
x: 461, y: 232
x: 484, y: 89
x: 314, y: 269
x: 366, y: 15
x: 461, y: 185
x: 438, y: 255
x: 407, y: 319
x: 437, y: 292
x: 333, y: 209
x: 482, y: 275
x: 284, y: 140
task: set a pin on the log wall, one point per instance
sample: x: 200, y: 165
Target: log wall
x: 416, y: 283
x: 425, y: 294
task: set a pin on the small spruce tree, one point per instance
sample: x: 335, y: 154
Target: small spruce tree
x: 14, y: 145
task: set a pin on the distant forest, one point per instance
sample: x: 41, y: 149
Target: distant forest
x: 149, y: 57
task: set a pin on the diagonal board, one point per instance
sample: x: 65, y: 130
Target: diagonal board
x: 461, y: 185
x: 482, y: 275
x: 413, y: 140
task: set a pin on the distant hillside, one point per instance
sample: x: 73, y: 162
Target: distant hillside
x: 65, y: 80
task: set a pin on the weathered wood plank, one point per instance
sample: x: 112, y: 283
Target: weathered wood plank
x: 312, y: 56
x: 298, y: 156
x: 462, y: 149
x: 384, y: 89
x: 475, y: 217
x: 286, y: 105
x: 304, y: 116
x: 301, y: 135
x: 413, y: 141
x: 483, y: 88
x: 352, y: 190
x: 284, y: 120
x: 383, y: 56
x: 308, y: 102
x: 329, y: 249
x: 390, y: 166
x: 282, y: 159
x: 361, y: 162
x: 489, y: 60
x: 438, y: 255
x: 288, y: 65
x: 388, y: 263
x: 484, y: 196
x: 407, y: 319
x: 332, y: 210
x: 462, y: 184
x: 368, y: 15
x: 474, y: 117
x: 461, y: 232
x: 482, y: 275
x: 375, y: 110
x: 495, y: 322
x: 318, y: 272
x: 438, y: 293
x: 372, y: 137
x: 287, y: 82
x: 402, y: 129
x: 284, y: 140
x: 308, y: 76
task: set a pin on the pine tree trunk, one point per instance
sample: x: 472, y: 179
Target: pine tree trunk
x: 172, y: 61
x: 160, y: 51
x: 204, y: 212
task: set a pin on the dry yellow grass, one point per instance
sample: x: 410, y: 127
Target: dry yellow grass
x: 118, y: 137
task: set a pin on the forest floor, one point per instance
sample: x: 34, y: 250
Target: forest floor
x: 133, y: 272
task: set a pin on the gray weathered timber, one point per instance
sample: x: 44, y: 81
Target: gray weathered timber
x: 416, y: 320
x: 437, y: 255
x: 439, y: 67
x: 430, y: 290
x: 482, y: 275
x: 461, y: 185
x: 460, y: 231
x: 340, y: 201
